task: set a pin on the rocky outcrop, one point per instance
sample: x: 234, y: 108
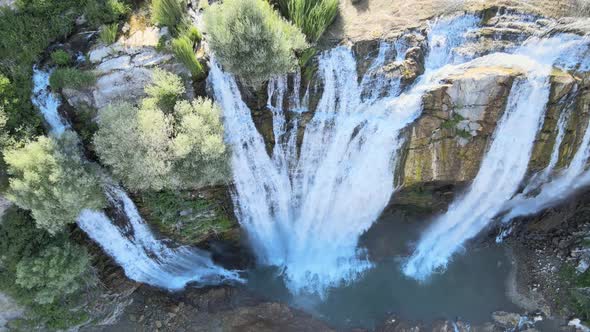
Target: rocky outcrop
x: 124, y: 68
x: 447, y: 142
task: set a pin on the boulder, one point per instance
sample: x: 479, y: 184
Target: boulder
x: 506, y: 320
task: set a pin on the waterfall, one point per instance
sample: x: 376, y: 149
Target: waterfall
x: 304, y: 213
x: 552, y: 192
x: 47, y: 102
x: 504, y: 164
x: 142, y: 256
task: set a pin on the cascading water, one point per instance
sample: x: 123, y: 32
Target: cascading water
x: 143, y: 257
x: 305, y: 213
x: 47, y: 102
x: 505, y: 163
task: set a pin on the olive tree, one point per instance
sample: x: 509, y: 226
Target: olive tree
x: 50, y: 178
x: 251, y: 40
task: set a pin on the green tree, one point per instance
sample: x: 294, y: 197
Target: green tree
x: 251, y: 40
x: 50, y: 178
x: 156, y: 147
x: 135, y: 145
x: 57, y: 271
x: 199, y: 150
x: 21, y: 242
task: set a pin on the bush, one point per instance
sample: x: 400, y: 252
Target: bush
x: 50, y: 178
x: 251, y: 40
x: 200, y: 152
x: 168, y: 13
x: 193, y: 34
x: 71, y: 78
x: 182, y: 47
x: 311, y: 16
x: 20, y: 242
x: 164, y: 91
x: 60, y: 58
x: 108, y: 33
x: 99, y: 12
x: 134, y: 144
x: 207, y: 217
x: 56, y: 272
x: 151, y: 148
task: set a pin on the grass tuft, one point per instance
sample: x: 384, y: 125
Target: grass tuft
x: 108, y: 33
x: 182, y: 47
x: 168, y: 13
x: 311, y: 16
x: 71, y: 78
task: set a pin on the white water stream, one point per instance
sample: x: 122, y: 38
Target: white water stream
x: 132, y: 245
x: 305, y: 213
x: 504, y: 165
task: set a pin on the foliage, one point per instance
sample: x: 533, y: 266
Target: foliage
x: 108, y: 33
x: 311, y: 16
x: 71, y: 78
x: 50, y: 178
x: 56, y: 272
x: 156, y: 147
x: 98, y: 12
x: 168, y: 13
x: 251, y: 40
x: 60, y: 58
x: 21, y: 241
x: 199, y: 150
x: 182, y: 47
x: 193, y: 34
x: 164, y: 91
x: 186, y: 216
x: 577, y: 290
x: 134, y: 144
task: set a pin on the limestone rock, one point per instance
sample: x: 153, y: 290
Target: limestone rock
x: 121, y: 86
x: 119, y: 63
x: 447, y: 142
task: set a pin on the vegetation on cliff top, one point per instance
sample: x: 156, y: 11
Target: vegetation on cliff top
x: 49, y: 177
x: 167, y: 143
x: 251, y: 40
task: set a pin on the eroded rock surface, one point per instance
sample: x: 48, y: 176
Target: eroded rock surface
x: 124, y: 69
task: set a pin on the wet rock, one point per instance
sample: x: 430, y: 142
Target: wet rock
x: 506, y: 319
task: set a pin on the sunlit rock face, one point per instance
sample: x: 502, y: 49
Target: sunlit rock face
x: 124, y: 68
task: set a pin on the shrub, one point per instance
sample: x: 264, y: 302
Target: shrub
x: 251, y: 40
x: 168, y: 13
x: 99, y: 12
x: 199, y: 150
x: 50, y: 178
x: 71, y: 78
x: 193, y: 34
x: 60, y: 58
x: 182, y: 47
x: 56, y: 272
x: 311, y: 16
x: 134, y: 144
x: 21, y: 241
x: 208, y: 215
x: 150, y: 148
x: 164, y: 91
x: 108, y: 33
